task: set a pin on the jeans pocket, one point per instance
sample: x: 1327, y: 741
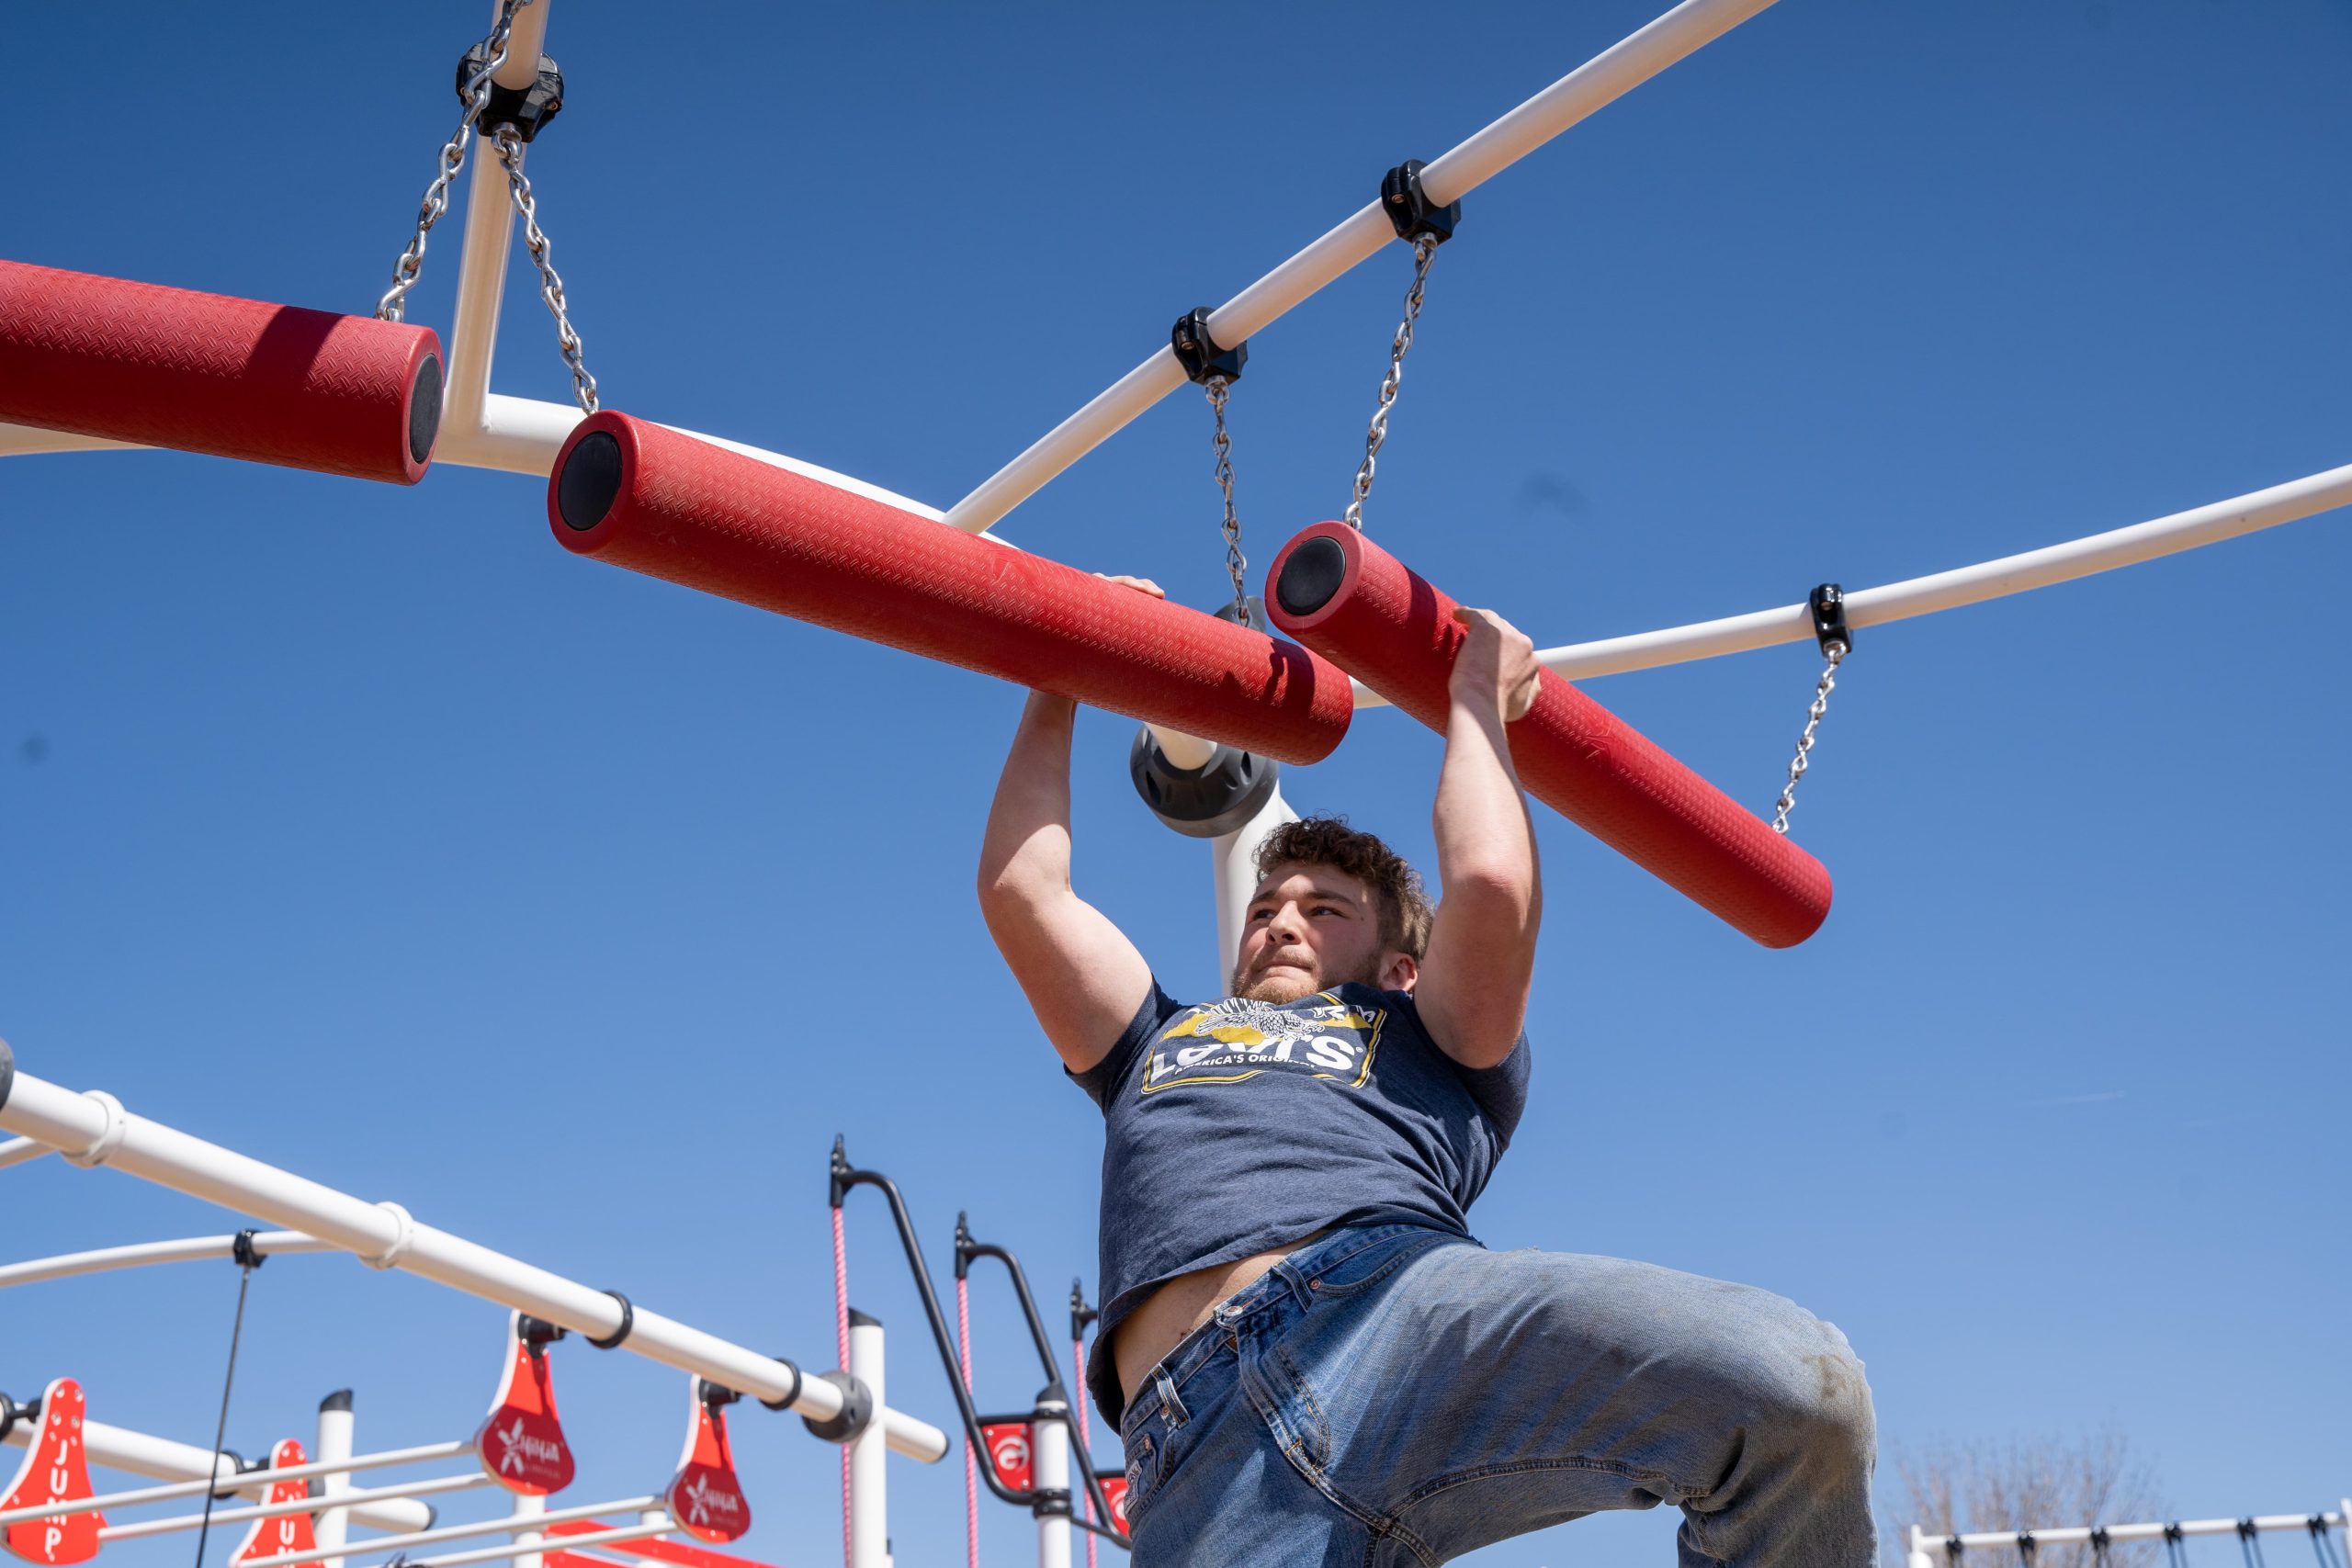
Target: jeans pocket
x: 1347, y: 1270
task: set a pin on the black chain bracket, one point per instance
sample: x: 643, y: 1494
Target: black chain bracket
x: 1827, y: 604
x: 1410, y: 211
x: 1198, y: 352
x: 527, y: 109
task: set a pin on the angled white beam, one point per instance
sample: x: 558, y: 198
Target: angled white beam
x: 192, y: 1472
x: 1593, y: 86
x: 139, y: 1254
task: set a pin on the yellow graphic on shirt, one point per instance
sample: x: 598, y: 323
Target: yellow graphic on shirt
x: 1236, y: 1040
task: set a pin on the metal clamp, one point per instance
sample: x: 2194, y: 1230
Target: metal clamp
x: 403, y: 1237
x: 110, y: 1135
x: 1828, y: 605
x: 854, y: 1416
x: 1410, y: 211
x: 242, y: 1252
x: 1198, y: 352
x: 618, y: 1336
x: 787, y: 1402
x: 527, y: 109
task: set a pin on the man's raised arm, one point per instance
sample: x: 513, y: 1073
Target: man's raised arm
x: 1472, y: 992
x: 1083, y: 978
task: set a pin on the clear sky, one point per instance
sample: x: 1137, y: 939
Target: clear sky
x: 368, y: 831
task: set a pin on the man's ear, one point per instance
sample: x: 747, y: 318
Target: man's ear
x: 1398, y: 971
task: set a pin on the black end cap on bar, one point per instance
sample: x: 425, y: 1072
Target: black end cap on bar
x: 339, y: 1400
x: 591, y: 480
x: 7, y: 1082
x: 1311, y: 575
x: 862, y: 1320
x: 425, y: 410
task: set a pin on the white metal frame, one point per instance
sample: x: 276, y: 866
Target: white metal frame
x: 192, y: 1472
x: 1927, y: 1550
x: 95, y: 1129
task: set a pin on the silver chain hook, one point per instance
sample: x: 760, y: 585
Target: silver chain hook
x: 509, y: 143
x: 1424, y: 250
x: 1219, y: 390
x: 1801, y: 761
x: 453, y: 158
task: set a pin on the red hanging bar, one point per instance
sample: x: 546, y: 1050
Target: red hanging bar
x: 649, y: 499
x: 211, y: 373
x: 1356, y: 604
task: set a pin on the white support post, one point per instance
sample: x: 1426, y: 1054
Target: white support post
x: 530, y: 1507
x: 1917, y: 1557
x: 187, y: 1468
x: 1233, y: 862
x: 1049, y: 1446
x: 869, y: 1515
x: 331, y: 1527
x: 2343, y: 1525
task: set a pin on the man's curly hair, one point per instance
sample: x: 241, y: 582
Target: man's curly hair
x: 1329, y: 840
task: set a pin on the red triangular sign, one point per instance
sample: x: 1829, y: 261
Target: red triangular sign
x: 1115, y: 1492
x: 56, y: 1470
x: 286, y: 1532
x: 1009, y: 1453
x: 704, y: 1496
x: 520, y: 1443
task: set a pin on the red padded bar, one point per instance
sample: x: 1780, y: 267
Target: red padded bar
x: 644, y: 497
x: 209, y: 373
x: 1358, y: 605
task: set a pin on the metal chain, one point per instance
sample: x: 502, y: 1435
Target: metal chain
x: 1424, y: 249
x: 453, y: 158
x: 1798, y: 764
x: 509, y: 143
x: 1219, y: 390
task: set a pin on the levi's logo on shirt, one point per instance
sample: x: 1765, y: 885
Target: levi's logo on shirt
x: 1236, y: 1039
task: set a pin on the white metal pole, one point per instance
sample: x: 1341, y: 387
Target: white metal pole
x: 1917, y: 1556
x: 504, y: 1525
x: 193, y: 1472
x: 95, y: 1129
x: 869, y: 1514
x: 138, y: 1255
x: 1599, y: 82
x: 1233, y: 862
x: 529, y: 1505
x: 333, y: 1526
x: 508, y: 1553
x: 2159, y: 536
x: 1049, y: 1447
x: 16, y: 1151
x: 434, y: 1487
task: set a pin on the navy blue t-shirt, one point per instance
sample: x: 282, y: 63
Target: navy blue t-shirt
x: 1235, y: 1126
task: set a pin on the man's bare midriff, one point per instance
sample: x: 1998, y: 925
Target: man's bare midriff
x: 1178, y: 1308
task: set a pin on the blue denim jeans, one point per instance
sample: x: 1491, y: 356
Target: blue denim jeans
x: 1398, y: 1395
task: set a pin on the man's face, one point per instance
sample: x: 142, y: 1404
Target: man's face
x: 1311, y: 928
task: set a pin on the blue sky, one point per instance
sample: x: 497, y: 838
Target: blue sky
x: 367, y: 831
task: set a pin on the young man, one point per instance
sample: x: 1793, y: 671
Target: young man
x: 1308, y: 1358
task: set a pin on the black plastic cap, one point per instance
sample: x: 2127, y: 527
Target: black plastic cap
x: 7, y: 1071
x: 425, y: 409
x: 1207, y: 802
x: 856, y: 1413
x: 862, y: 1320
x: 339, y: 1400
x: 591, y: 480
x: 1311, y: 575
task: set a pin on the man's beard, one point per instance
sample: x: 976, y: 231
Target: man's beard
x: 1290, y: 985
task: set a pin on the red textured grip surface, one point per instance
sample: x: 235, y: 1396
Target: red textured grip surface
x: 1396, y: 633
x: 209, y: 373
x: 700, y: 515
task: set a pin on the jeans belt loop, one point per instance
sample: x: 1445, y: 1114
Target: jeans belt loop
x: 1295, y: 1278
x: 1170, y: 1405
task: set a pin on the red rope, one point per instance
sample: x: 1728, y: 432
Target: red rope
x: 1085, y: 1440
x: 841, y: 1339
x: 971, y: 1461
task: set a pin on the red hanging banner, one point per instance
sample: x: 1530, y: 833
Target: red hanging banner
x: 704, y: 1496
x: 520, y: 1443
x: 286, y: 1532
x: 1115, y: 1492
x: 1010, y: 1453
x: 55, y: 1470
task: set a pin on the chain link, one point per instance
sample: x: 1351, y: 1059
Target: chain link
x: 1798, y: 764
x: 1219, y: 390
x: 1424, y: 250
x: 510, y: 154
x: 453, y: 158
